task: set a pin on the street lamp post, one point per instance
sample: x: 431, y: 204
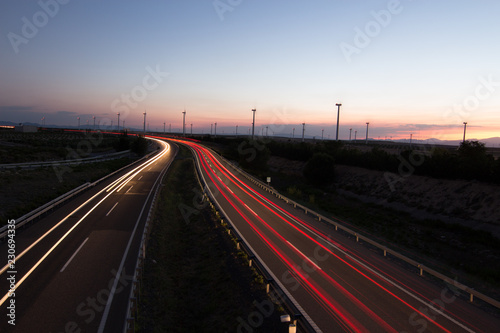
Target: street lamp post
x: 465, y: 128
x: 184, y: 123
x: 322, y: 134
x: 144, y: 129
x: 293, y: 133
x: 236, y: 130
x: 338, y: 115
x: 118, y: 114
x: 163, y: 127
x: 253, y: 123
x: 78, y: 122
x: 94, y: 121
x: 303, y: 130
x: 191, y: 128
x: 215, y: 130
x: 367, y: 124
x: 350, y: 132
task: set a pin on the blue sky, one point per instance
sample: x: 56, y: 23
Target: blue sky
x: 420, y: 67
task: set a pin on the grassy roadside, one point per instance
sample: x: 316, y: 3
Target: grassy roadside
x: 194, y: 281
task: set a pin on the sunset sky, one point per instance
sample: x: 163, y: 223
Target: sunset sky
x: 421, y: 67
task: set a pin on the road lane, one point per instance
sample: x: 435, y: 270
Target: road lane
x: 75, y: 299
x: 354, y: 290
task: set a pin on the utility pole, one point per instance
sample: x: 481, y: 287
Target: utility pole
x: 253, y: 123
x: 465, y: 128
x: 367, y: 124
x: 191, y: 128
x: 144, y: 129
x: 184, y: 123
x: 338, y: 115
x: 303, y: 130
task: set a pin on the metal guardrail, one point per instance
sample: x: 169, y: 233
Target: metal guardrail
x: 43, y: 209
x: 23, y: 220
x: 31, y: 165
x: 296, y: 310
x: 421, y: 267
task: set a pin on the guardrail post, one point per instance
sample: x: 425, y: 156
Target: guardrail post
x: 421, y: 270
x: 268, y: 285
x: 385, y: 252
x: 250, y: 261
x: 357, y: 237
x: 130, y: 325
x: 471, y: 298
x: 319, y: 218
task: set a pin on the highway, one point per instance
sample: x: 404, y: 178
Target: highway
x: 74, y: 268
x: 338, y: 284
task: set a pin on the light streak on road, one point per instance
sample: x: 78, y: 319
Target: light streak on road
x: 166, y: 147
x: 317, y: 239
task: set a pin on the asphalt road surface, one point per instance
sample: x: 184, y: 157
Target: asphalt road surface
x: 339, y: 284
x: 74, y: 268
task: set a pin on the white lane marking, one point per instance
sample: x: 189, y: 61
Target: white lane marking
x: 105, y: 314
x: 312, y: 262
x: 74, y: 254
x: 140, y: 177
x: 20, y: 282
x: 129, y: 189
x: 229, y: 190
x: 250, y: 209
x: 52, y: 249
x: 112, y: 209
